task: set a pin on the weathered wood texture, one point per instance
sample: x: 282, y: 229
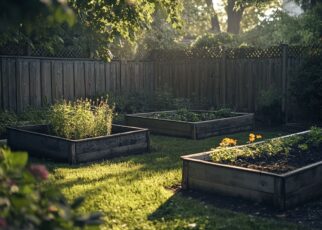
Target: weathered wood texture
x: 123, y: 141
x: 232, y: 82
x: 280, y: 190
x: 35, y: 82
x: 194, y: 130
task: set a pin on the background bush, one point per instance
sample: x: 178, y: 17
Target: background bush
x: 269, y: 108
x: 306, y: 89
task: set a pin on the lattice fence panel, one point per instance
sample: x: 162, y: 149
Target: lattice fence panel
x: 23, y: 50
x: 174, y: 54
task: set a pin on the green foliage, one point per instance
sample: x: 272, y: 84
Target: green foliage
x: 81, y: 119
x: 34, y: 115
x: 15, y: 14
x: 98, y: 25
x: 7, y: 118
x: 113, y: 22
x: 28, y: 203
x: 282, y: 28
x: 135, y: 102
x: 210, y: 40
x: 161, y: 35
x: 306, y: 89
x: 190, y: 116
x: 274, y: 147
x: 30, y: 115
x: 269, y: 108
x: 164, y: 99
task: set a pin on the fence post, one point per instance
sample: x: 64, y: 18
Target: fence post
x: 123, y: 76
x: 284, y: 60
x: 224, y: 75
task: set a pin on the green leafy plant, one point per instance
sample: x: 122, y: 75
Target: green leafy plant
x: 297, y: 144
x: 34, y: 115
x: 30, y: 115
x: 81, y: 119
x: 269, y: 108
x: 28, y: 202
x: 190, y: 116
x: 210, y: 40
x: 306, y: 88
x: 7, y: 118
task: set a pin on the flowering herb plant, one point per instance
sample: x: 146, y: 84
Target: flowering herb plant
x: 81, y: 119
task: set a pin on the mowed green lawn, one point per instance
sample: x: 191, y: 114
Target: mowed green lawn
x: 133, y: 192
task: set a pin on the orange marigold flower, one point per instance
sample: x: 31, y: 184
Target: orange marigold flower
x: 228, y: 142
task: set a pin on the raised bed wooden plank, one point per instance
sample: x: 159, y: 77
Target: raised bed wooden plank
x: 125, y: 141
x: 232, y: 177
x: 230, y: 191
x: 161, y: 126
x: 303, y: 178
x: 305, y: 194
x: 280, y: 190
x: 194, y: 130
x: 38, y: 145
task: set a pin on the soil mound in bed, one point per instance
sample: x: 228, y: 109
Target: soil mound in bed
x: 280, y: 163
x: 278, y: 155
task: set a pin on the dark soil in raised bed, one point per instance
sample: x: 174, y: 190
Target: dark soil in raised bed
x: 193, y: 116
x: 279, y: 155
x: 280, y: 163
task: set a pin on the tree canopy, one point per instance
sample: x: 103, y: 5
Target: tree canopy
x: 99, y: 22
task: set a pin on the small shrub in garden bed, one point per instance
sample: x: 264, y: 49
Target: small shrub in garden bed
x: 6, y: 119
x: 276, y: 155
x: 306, y: 89
x: 28, y: 202
x: 29, y: 116
x: 190, y: 116
x: 81, y: 119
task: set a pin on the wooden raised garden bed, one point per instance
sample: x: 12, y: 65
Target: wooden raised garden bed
x: 195, y: 130
x: 284, y: 190
x: 35, y: 139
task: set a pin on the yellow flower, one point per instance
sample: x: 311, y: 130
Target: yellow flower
x: 258, y: 136
x: 251, y: 137
x: 226, y: 142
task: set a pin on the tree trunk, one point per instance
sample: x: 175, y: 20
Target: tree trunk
x: 215, y: 27
x: 234, y: 17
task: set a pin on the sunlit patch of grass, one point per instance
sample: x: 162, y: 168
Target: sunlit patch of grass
x: 131, y: 191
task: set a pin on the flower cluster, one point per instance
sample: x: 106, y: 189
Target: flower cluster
x: 39, y: 171
x: 253, y: 137
x: 227, y: 142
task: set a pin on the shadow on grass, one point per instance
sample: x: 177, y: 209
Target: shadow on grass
x: 203, y: 212
x: 192, y: 204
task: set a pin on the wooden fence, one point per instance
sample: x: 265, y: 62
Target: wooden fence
x: 234, y: 81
